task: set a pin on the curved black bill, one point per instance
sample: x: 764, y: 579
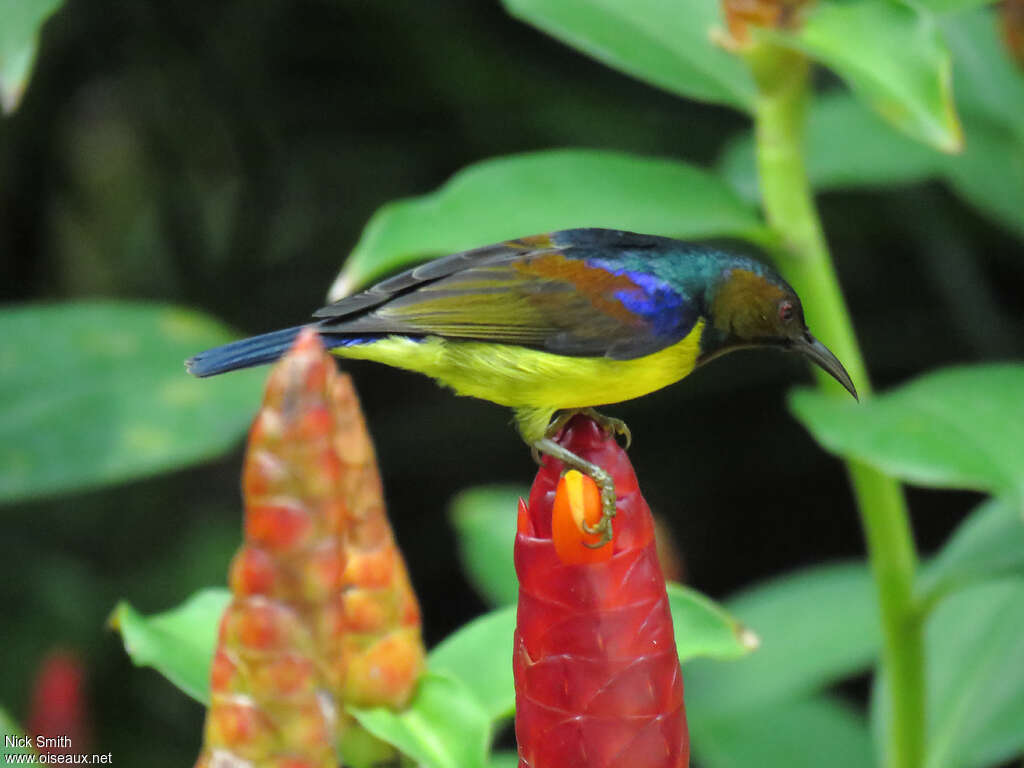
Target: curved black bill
x: 820, y: 354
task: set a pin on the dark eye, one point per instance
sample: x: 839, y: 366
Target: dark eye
x: 786, y: 311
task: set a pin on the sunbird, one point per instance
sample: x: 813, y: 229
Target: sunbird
x: 558, y: 323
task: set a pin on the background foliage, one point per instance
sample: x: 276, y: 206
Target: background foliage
x: 225, y: 158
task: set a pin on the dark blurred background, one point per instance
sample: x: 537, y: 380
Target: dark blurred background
x: 226, y: 155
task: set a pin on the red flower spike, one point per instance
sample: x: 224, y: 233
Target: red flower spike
x: 598, y: 683
x: 58, y: 708
x: 577, y: 501
x: 323, y: 610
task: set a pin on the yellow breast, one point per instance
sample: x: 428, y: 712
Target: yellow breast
x: 531, y: 379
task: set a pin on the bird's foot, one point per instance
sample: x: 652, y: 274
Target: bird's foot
x: 610, y: 426
x: 601, y: 477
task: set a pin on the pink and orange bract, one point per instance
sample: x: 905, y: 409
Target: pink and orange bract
x: 598, y: 682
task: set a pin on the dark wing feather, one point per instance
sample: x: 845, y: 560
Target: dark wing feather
x: 530, y: 292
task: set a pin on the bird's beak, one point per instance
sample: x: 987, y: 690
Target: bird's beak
x: 812, y: 348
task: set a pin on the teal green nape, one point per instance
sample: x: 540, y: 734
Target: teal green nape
x: 557, y: 322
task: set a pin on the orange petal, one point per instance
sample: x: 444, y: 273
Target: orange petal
x: 577, y: 500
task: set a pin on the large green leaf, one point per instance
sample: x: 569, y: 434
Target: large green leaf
x: 485, y: 525
x: 957, y: 428
x: 443, y: 727
x: 479, y: 655
x: 179, y: 643
x: 816, y: 626
x: 987, y: 545
x: 539, y: 192
x: 974, y: 678
x: 96, y: 393
x: 801, y: 733
x: 19, y: 39
x: 893, y: 57
x: 704, y: 629
x: 668, y: 43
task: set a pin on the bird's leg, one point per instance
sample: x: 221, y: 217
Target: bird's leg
x: 604, y: 483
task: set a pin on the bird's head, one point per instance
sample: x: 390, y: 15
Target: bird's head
x: 753, y: 307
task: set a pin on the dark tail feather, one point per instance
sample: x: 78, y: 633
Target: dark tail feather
x: 243, y: 354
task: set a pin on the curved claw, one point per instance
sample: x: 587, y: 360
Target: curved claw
x: 598, y: 475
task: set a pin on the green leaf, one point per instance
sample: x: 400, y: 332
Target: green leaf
x: 667, y: 44
x: 974, y: 678
x: 504, y: 760
x: 704, y: 629
x: 179, y: 644
x: 816, y: 626
x: 19, y: 39
x: 952, y: 6
x: 893, y: 57
x: 533, y: 193
x: 443, y: 727
x: 9, y: 728
x: 788, y: 734
x: 987, y: 545
x: 988, y: 174
x: 96, y: 393
x: 989, y: 84
x: 873, y: 153
x: 479, y: 655
x: 485, y: 524
x: 957, y: 428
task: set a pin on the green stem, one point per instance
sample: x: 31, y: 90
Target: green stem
x: 782, y: 77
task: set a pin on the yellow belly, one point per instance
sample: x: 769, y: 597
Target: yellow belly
x: 532, y: 380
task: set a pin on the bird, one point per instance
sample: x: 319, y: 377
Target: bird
x: 558, y: 323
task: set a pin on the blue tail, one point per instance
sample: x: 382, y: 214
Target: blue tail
x: 243, y: 354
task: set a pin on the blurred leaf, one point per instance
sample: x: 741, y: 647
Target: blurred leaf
x: 9, y: 728
x: 534, y: 193
x: 96, y: 393
x: 790, y: 734
x: 873, y: 153
x: 704, y: 629
x: 179, y: 644
x: 988, y: 83
x: 952, y: 6
x: 957, y: 428
x: 989, y: 174
x: 504, y: 760
x: 974, y: 678
x: 19, y: 39
x: 988, y: 544
x: 816, y: 626
x: 667, y: 44
x: 443, y: 727
x: 485, y: 524
x: 479, y: 655
x: 893, y: 57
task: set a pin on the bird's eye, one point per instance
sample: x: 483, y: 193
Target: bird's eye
x: 786, y: 311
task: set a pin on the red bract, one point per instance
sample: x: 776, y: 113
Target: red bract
x: 598, y: 683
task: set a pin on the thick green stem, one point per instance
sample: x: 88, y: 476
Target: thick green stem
x: 782, y: 79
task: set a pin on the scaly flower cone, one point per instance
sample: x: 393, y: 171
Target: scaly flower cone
x: 292, y: 647
x: 598, y: 682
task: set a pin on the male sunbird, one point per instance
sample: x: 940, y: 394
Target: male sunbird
x: 558, y: 323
